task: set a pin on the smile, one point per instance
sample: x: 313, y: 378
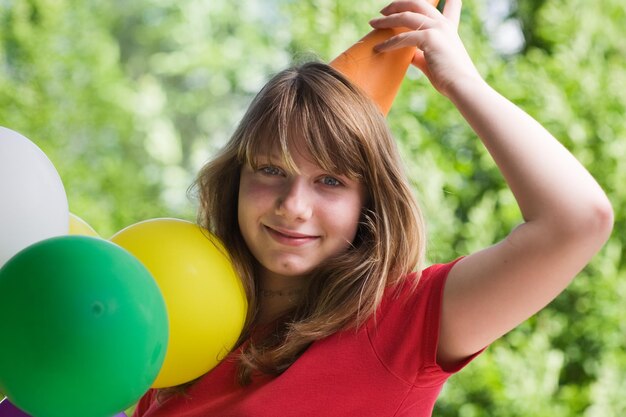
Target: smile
x: 290, y: 238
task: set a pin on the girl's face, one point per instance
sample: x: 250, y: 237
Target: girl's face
x: 292, y: 222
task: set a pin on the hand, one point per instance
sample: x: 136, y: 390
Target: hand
x: 441, y: 54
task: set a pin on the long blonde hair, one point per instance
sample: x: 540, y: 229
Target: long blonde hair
x: 345, y: 133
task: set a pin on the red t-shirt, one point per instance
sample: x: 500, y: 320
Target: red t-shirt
x: 385, y: 368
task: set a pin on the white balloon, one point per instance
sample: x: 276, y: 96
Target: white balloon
x: 33, y: 203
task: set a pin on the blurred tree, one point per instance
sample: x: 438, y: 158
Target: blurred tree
x: 568, y: 360
x: 195, y: 65
x: 129, y: 98
x: 61, y: 85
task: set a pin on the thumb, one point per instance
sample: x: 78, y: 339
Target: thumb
x: 420, y: 62
x: 452, y: 11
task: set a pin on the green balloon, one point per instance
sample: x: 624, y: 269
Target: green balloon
x: 83, y: 328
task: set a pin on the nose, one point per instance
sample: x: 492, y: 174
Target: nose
x: 295, y: 202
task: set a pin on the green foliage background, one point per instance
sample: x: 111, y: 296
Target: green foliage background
x: 129, y: 98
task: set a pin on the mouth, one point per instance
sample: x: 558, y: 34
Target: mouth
x: 290, y: 238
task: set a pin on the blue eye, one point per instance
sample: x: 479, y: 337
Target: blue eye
x: 270, y: 170
x: 333, y: 182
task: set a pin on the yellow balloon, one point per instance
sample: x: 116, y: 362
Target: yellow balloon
x: 205, y: 300
x: 80, y: 227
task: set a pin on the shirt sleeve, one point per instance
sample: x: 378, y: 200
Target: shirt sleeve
x: 405, y: 331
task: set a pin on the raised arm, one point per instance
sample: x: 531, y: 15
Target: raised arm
x: 567, y: 216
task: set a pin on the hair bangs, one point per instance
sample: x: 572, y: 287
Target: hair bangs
x: 304, y: 120
x: 330, y: 142
x: 267, y: 132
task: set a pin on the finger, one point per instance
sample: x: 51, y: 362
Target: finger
x: 401, y: 40
x: 420, y: 62
x: 413, y: 21
x: 418, y: 6
x: 452, y: 11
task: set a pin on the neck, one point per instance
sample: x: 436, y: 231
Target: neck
x: 277, y: 294
x: 274, y: 285
x: 273, y: 303
x: 287, y: 292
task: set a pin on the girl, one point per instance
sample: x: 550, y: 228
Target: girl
x: 310, y: 199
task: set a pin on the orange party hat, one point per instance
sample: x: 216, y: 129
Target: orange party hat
x: 378, y: 74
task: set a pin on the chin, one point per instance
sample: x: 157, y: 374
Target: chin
x: 292, y: 271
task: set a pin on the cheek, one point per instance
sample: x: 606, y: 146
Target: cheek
x: 244, y: 206
x: 254, y: 201
x: 255, y: 191
x: 346, y: 219
x: 355, y: 227
x: 247, y: 215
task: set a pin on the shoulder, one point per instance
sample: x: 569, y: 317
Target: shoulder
x: 405, y: 330
x: 420, y: 284
x: 415, y: 300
